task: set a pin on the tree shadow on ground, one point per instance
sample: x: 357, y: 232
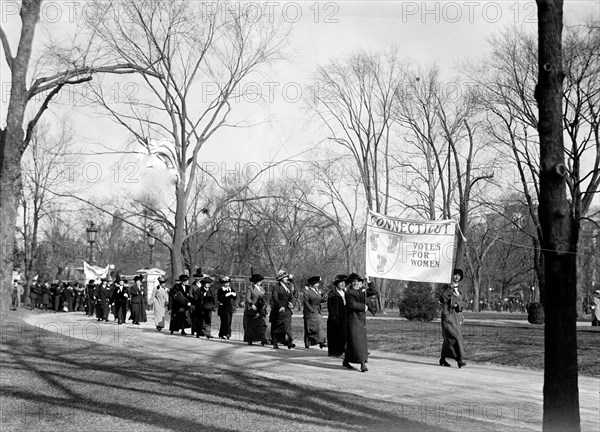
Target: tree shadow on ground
x: 103, y: 387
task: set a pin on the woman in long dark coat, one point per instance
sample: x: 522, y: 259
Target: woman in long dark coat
x: 137, y: 301
x: 282, y: 298
x: 356, y: 325
x: 255, y: 312
x: 179, y: 305
x: 119, y: 298
x: 452, y: 304
x: 313, y: 318
x: 336, y: 317
x: 204, y: 304
x: 226, y: 297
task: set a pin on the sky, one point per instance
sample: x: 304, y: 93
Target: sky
x: 444, y: 33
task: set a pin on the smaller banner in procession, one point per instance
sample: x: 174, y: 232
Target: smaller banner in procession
x: 94, y: 272
x: 410, y: 250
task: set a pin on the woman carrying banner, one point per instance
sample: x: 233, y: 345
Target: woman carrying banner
x: 452, y: 304
x: 356, y: 325
x: 336, y: 317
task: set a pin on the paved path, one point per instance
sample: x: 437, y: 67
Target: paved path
x: 506, y: 398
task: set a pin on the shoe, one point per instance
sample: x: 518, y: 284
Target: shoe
x: 264, y: 342
x: 249, y: 343
x: 443, y: 362
x: 183, y: 333
x: 171, y: 331
x: 461, y: 363
x: 322, y: 345
x: 227, y: 337
x: 306, y: 346
x: 208, y: 337
x: 290, y: 346
x: 197, y: 335
x: 364, y: 368
x: 347, y: 365
x: 275, y: 346
x: 221, y: 337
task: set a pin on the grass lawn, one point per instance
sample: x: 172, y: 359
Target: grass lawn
x: 520, y: 345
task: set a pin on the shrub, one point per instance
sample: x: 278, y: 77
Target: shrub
x: 417, y: 303
x: 535, y: 313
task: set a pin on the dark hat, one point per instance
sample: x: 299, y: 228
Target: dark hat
x: 138, y: 278
x: 353, y: 277
x: 161, y: 279
x: 256, y: 278
x: 183, y: 277
x: 225, y: 279
x: 103, y: 279
x: 92, y: 281
x: 206, y: 280
x: 340, y: 278
x: 314, y: 280
x: 458, y: 272
x: 282, y: 274
x: 124, y: 280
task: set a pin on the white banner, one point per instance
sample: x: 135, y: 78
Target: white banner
x: 403, y: 249
x: 94, y: 272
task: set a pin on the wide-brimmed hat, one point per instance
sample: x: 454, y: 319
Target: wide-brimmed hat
x: 103, y: 280
x: 353, y: 277
x: 225, y: 279
x: 282, y: 274
x: 256, y: 278
x: 92, y: 281
x: 161, y: 279
x: 314, y: 280
x: 183, y: 277
x: 206, y: 280
x: 458, y: 272
x: 340, y: 278
x: 138, y: 278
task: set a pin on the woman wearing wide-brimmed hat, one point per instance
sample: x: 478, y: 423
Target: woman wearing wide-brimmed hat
x: 204, y: 302
x: 336, y: 317
x: 179, y: 304
x: 227, y: 298
x: 137, y: 301
x: 452, y: 304
x: 356, y: 324
x: 255, y: 312
x: 312, y: 297
x: 282, y: 304
x: 161, y: 300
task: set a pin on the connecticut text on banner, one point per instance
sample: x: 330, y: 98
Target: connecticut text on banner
x: 409, y: 250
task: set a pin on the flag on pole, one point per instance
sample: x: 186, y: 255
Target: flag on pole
x: 411, y: 250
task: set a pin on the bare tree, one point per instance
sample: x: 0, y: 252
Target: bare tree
x: 560, y: 230
x: 45, y: 81
x: 199, y: 60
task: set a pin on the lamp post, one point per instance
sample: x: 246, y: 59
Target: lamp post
x: 151, y: 242
x: 532, y: 294
x: 91, y: 232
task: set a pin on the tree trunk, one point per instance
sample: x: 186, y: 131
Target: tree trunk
x: 177, y: 263
x: 561, y: 394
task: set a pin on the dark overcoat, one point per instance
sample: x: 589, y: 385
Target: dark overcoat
x: 336, y: 323
x: 356, y: 324
x: 313, y: 318
x: 452, y: 305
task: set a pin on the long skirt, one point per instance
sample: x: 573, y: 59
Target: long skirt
x: 202, y: 322
x: 102, y: 309
x: 136, y: 312
x: 180, y: 320
x: 159, y: 315
x: 356, y: 343
x: 336, y: 336
x: 452, y: 347
x: 121, y: 311
x: 225, y: 328
x: 281, y: 327
x: 255, y: 328
x: 313, y: 330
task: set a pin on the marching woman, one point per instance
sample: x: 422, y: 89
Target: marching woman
x: 204, y: 303
x: 452, y: 304
x: 313, y: 319
x: 161, y: 300
x: 282, y: 298
x: 137, y: 293
x: 356, y: 325
x: 119, y: 298
x: 102, y: 295
x: 336, y: 317
x: 255, y: 312
x: 227, y: 298
x: 179, y: 305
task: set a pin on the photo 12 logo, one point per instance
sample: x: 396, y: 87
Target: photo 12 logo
x: 468, y: 11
